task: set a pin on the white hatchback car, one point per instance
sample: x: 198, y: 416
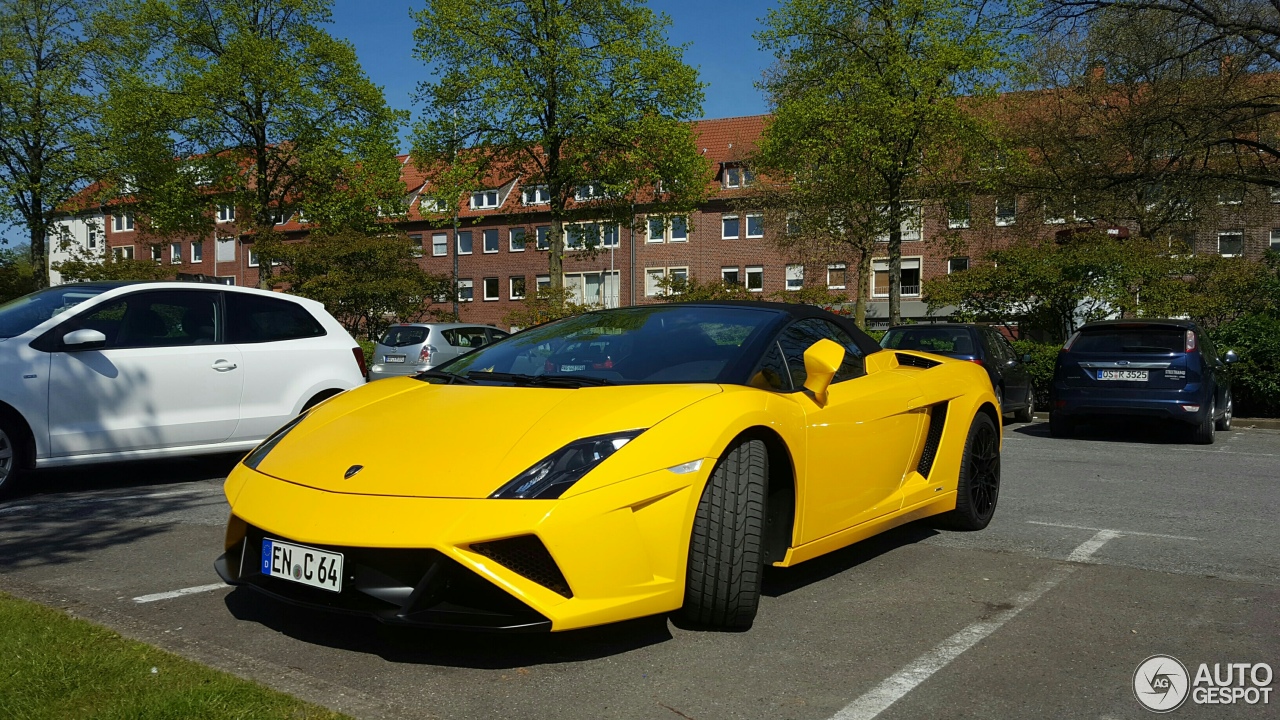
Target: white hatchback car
x: 100, y: 372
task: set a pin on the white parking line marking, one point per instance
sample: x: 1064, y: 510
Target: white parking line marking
x: 1091, y: 546
x: 896, y: 686
x: 91, y: 500
x: 179, y: 593
x: 1117, y: 532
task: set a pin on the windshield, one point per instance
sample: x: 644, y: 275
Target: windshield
x: 941, y: 340
x: 20, y: 315
x: 665, y: 344
x: 404, y: 335
x: 1119, y: 339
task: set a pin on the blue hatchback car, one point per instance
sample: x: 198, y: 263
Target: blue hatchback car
x: 1155, y: 368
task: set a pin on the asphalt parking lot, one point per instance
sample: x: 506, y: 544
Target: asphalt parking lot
x: 1105, y: 550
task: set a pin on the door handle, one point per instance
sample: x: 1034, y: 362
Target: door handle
x: 224, y: 366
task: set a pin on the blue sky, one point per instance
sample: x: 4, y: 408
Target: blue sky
x: 720, y: 32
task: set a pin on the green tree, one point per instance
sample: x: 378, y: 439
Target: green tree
x: 86, y: 265
x: 365, y: 281
x: 868, y: 113
x: 248, y: 103
x: 46, y: 103
x: 17, y: 275
x: 586, y: 99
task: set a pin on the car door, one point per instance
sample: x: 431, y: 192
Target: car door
x: 1012, y: 371
x: 163, y: 378
x: 860, y: 443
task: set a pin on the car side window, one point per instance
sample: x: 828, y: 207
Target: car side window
x: 256, y: 319
x: 466, y: 337
x: 772, y: 373
x: 496, y: 335
x: 995, y: 344
x: 164, y: 318
x: 800, y: 335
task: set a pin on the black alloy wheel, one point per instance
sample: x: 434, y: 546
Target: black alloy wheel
x: 978, y: 489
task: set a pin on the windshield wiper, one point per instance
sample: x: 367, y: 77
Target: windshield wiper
x: 573, y: 381
x: 449, y: 378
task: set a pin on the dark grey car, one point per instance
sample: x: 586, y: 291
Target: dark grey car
x: 410, y: 348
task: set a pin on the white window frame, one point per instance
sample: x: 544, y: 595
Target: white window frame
x: 418, y: 243
x: 954, y: 223
x: 912, y: 227
x: 175, y: 253
x: 842, y: 268
x: 122, y: 252
x: 1012, y: 219
x: 1231, y: 233
x: 672, y: 272
x: 197, y: 251
x: 648, y: 229
x: 469, y: 284
x: 588, y: 192
x: 737, y: 220
x: 541, y: 281
x: 541, y: 195
x: 92, y: 238
x: 226, y: 213
x: 882, y: 265
x: 484, y: 241
x: 794, y: 273
x: 542, y: 238
x: 754, y: 216
x: 439, y: 244
x: 486, y: 199
x: 725, y: 281
x: 652, y: 275
x: 122, y: 223
x: 671, y: 229
x: 511, y: 286
x: 750, y: 270
x: 497, y: 289
x: 512, y: 245
x: 732, y: 176
x: 251, y: 258
x: 1275, y: 239
x: 951, y: 267
x: 457, y: 242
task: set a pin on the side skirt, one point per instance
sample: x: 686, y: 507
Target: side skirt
x: 933, y: 506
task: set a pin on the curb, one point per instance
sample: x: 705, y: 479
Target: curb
x: 1237, y: 423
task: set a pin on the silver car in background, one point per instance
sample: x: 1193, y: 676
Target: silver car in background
x: 410, y: 348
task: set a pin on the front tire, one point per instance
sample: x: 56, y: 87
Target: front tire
x: 979, y: 486
x: 1027, y: 412
x: 722, y: 588
x: 13, y: 460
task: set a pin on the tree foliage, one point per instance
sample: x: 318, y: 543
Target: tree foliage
x: 46, y: 102
x: 365, y: 281
x: 586, y: 98
x: 17, y: 274
x: 84, y: 265
x: 249, y: 103
x: 545, y: 305
x: 868, y: 115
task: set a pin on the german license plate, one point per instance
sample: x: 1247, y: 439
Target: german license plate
x: 1139, y: 375
x: 393, y: 358
x: 572, y: 368
x: 300, y: 564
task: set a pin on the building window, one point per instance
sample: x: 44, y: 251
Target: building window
x: 730, y: 276
x: 464, y: 242
x: 415, y: 245
x: 652, y: 276
x: 490, y: 239
x: 253, y: 259
x: 755, y: 226
x: 584, y: 193
x: 123, y: 252
x: 609, y: 236
x: 535, y: 195
x: 491, y: 289
x: 729, y: 227
x: 175, y: 253
x: 733, y: 177
x: 679, y: 229
x: 1006, y: 211
x: 93, y: 238
x: 755, y: 278
x: 1275, y: 194
x: 544, y: 238
x: 958, y: 214
x: 910, y: 226
x: 679, y: 277
x: 1275, y: 239
x: 466, y: 291
x: 1054, y: 214
x: 439, y: 244
x: 957, y: 264
x: 793, y: 224
x: 515, y: 286
x: 197, y: 251
x: 226, y: 213
x: 280, y: 216
x: 122, y: 223
x: 657, y: 230
x: 1234, y: 196
x: 837, y: 276
x: 1231, y: 243
x: 795, y: 277
x: 544, y: 282
x: 157, y: 254
x: 484, y: 199
x: 910, y: 277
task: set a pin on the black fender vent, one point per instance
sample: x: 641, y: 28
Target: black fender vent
x: 528, y: 557
x: 916, y: 361
x: 937, y: 418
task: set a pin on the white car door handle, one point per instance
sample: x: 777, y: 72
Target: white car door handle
x: 224, y: 366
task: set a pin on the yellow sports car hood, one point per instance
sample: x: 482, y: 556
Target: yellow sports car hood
x: 414, y: 439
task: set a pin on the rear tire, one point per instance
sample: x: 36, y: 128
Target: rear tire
x: 13, y: 457
x: 1224, y: 423
x: 978, y: 488
x: 1202, y: 433
x: 722, y: 588
x: 1027, y: 412
x: 1061, y: 427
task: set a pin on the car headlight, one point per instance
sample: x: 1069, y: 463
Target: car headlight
x: 551, y: 476
x: 260, y: 453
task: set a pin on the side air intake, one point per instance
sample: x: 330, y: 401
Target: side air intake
x: 916, y: 361
x: 937, y: 418
x: 528, y: 557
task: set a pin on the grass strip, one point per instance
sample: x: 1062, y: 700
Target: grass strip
x: 58, y: 667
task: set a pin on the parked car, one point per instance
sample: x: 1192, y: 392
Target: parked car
x: 979, y: 344
x: 119, y: 371
x: 410, y: 348
x: 1155, y: 368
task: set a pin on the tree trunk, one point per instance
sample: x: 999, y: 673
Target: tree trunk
x: 555, y: 256
x: 895, y: 257
x: 39, y: 258
x: 864, y: 289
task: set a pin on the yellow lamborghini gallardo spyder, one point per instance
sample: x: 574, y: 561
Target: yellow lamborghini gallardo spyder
x: 609, y: 466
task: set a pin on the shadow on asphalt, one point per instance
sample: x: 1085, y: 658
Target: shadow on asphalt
x: 1148, y: 431
x: 136, y: 474
x: 442, y: 647
x: 780, y: 581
